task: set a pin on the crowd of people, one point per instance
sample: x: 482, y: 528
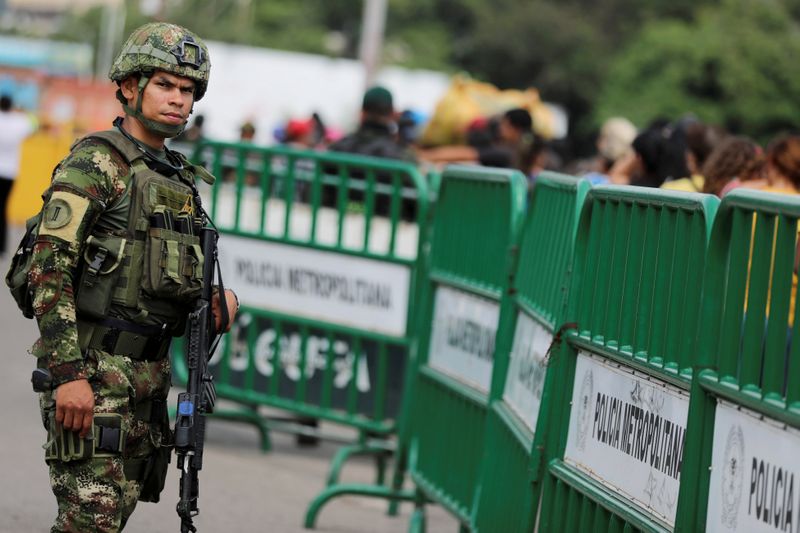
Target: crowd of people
x: 683, y: 154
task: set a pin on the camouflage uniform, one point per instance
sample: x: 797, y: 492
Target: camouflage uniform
x: 98, y: 491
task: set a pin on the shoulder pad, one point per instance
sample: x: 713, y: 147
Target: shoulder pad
x: 129, y: 151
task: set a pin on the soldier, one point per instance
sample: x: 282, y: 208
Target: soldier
x: 115, y: 268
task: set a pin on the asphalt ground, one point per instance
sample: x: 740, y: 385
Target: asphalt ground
x: 241, y: 489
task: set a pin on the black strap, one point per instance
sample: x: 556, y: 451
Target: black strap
x: 223, y: 302
x: 132, y: 327
x: 116, y: 336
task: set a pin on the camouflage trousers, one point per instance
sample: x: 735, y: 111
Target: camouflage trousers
x: 94, y: 494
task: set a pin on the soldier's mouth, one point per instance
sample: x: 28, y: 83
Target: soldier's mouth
x: 174, y: 118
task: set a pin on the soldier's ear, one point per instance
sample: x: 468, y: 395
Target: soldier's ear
x: 129, y: 87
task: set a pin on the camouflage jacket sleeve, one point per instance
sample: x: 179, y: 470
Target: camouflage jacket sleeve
x: 84, y: 183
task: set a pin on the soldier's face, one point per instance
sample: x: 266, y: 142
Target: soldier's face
x: 167, y: 98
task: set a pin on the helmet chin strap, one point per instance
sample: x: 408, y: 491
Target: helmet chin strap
x: 167, y: 130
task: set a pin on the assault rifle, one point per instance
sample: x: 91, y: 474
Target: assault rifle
x: 200, y: 395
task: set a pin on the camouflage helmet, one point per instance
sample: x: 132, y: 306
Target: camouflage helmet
x: 167, y: 47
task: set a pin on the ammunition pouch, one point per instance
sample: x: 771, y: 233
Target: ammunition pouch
x: 173, y: 261
x: 102, y: 256
x: 106, y: 439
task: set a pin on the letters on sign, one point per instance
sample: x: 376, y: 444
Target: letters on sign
x: 754, y: 465
x: 463, y: 336
x: 627, y: 430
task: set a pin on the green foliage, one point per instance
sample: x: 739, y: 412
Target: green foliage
x: 733, y: 66
x: 83, y: 29
x: 728, y: 61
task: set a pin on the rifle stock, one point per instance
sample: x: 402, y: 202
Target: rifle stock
x: 200, y: 395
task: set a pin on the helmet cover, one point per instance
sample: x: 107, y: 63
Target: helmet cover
x: 167, y: 47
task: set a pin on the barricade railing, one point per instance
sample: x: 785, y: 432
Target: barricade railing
x: 507, y: 498
x: 322, y: 250
x: 741, y: 459
x: 618, y: 414
x: 477, y: 215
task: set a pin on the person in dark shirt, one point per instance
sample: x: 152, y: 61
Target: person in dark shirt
x: 376, y: 135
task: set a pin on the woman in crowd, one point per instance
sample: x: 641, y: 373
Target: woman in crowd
x: 736, y: 158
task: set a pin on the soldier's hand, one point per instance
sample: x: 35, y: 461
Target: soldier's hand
x: 75, y: 406
x: 233, y: 307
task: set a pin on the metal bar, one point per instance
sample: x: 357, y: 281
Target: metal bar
x: 341, y: 203
x: 242, y: 154
x: 288, y: 195
x: 394, y: 212
x: 266, y: 192
x: 755, y: 316
x: 780, y: 296
x: 316, y: 200
x: 277, y: 359
x: 327, y: 380
x: 734, y: 293
x: 381, y: 384
x: 302, y: 384
x: 369, y: 207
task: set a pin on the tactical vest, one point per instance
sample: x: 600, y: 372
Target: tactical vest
x: 142, y: 261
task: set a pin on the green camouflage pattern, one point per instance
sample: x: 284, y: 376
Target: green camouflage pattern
x: 94, y: 494
x: 93, y: 174
x: 167, y: 47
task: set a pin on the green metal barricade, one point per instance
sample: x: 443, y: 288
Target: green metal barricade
x: 617, y: 415
x: 322, y: 251
x: 741, y: 460
x: 506, y: 500
x: 477, y: 215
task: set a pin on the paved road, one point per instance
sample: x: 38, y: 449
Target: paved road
x: 242, y: 490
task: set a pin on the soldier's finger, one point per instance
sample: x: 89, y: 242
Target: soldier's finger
x: 67, y: 423
x: 87, y: 424
x: 59, y: 413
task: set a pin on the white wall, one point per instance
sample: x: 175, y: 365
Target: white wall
x: 267, y: 87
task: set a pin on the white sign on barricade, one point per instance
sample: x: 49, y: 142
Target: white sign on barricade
x: 527, y: 369
x: 627, y: 431
x: 463, y: 336
x: 337, y: 288
x: 754, y: 464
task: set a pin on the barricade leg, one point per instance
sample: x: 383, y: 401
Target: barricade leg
x: 417, y: 523
x: 345, y: 452
x: 398, y: 478
x: 354, y: 490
